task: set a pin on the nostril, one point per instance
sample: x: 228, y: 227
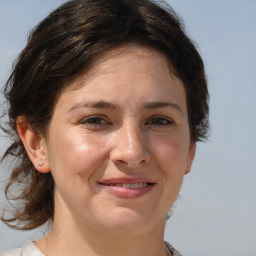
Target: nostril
x: 130, y: 163
x: 121, y: 161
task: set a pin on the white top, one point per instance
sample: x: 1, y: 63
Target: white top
x: 30, y: 249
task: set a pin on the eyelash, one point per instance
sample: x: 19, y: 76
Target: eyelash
x: 160, y: 121
x: 94, y: 121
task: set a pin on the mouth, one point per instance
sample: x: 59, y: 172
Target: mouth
x: 137, y: 185
x: 127, y: 188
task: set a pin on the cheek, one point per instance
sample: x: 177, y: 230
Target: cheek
x: 171, y: 153
x: 74, y: 155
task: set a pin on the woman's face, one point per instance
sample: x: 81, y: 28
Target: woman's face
x: 118, y: 144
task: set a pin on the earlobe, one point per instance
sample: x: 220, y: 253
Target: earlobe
x: 34, y: 144
x: 191, y: 156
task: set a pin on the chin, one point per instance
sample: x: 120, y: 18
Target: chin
x: 125, y: 222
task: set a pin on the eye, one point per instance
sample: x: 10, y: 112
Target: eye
x: 159, y: 121
x: 94, y: 122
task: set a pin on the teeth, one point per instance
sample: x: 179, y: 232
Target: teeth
x: 133, y: 186
x: 129, y: 186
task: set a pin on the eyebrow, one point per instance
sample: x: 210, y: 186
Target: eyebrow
x: 108, y: 105
x: 97, y: 105
x: 161, y: 104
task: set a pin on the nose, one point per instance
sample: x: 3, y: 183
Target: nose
x: 130, y: 147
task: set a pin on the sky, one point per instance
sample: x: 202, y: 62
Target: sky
x: 215, y: 214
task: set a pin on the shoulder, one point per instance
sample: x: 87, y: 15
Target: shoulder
x: 172, y: 250
x: 29, y: 249
x: 11, y: 252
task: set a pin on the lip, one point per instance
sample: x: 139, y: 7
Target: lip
x: 109, y: 186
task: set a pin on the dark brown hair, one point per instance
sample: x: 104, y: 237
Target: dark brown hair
x: 62, y: 46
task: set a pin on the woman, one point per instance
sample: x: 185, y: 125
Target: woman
x: 106, y: 104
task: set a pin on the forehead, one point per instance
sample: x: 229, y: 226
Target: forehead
x: 126, y: 76
x: 110, y: 61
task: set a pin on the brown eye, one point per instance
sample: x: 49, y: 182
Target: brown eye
x: 94, y: 121
x: 160, y: 121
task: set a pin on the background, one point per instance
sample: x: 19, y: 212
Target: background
x: 216, y: 212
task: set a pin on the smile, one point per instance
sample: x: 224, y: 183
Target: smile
x: 126, y: 188
x: 130, y: 186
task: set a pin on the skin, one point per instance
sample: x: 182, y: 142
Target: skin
x: 125, y: 117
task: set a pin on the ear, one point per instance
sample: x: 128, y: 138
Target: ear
x: 191, y: 156
x: 34, y: 144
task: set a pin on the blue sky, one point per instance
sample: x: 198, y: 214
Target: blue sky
x: 217, y: 209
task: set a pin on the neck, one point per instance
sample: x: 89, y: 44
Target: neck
x: 71, y: 236
x: 63, y: 240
